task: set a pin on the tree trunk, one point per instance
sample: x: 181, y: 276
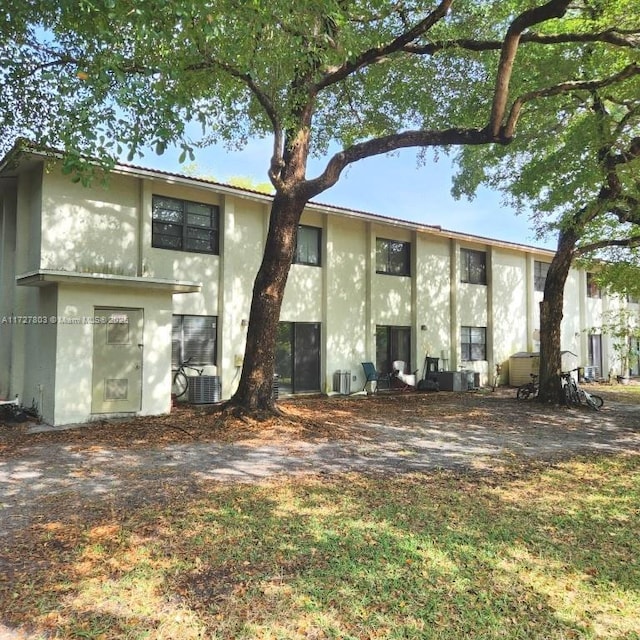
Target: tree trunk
x: 255, y: 389
x: 551, y: 317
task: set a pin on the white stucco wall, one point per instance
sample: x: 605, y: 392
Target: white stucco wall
x: 572, y: 336
x: 74, y: 349
x: 242, y: 244
x: 304, y: 294
x: 7, y: 282
x: 390, y: 294
x: 28, y: 341
x: 346, y: 325
x: 433, y: 263
x: 509, y: 291
x: 62, y: 226
x: 90, y: 229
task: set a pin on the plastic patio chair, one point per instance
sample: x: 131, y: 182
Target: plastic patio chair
x: 407, y: 380
x: 372, y: 375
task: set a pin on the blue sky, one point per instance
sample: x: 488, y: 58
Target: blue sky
x: 387, y: 185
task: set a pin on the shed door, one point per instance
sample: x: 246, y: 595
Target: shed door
x: 117, y: 361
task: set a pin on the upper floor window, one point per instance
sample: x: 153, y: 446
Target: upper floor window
x: 308, y: 243
x: 393, y: 257
x: 540, y: 270
x: 593, y: 289
x: 473, y: 342
x: 473, y: 266
x: 184, y: 226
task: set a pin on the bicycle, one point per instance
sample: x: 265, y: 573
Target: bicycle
x: 15, y: 411
x: 180, y: 383
x: 528, y: 390
x: 574, y: 394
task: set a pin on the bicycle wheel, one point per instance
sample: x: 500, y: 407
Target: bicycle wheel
x: 180, y: 384
x: 596, y: 401
x: 573, y: 393
x: 524, y: 392
x: 566, y: 395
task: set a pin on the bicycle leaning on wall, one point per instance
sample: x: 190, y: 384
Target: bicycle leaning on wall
x: 14, y: 411
x: 181, y: 379
x: 574, y: 394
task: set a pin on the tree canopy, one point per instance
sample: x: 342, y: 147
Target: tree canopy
x: 103, y: 77
x: 578, y: 175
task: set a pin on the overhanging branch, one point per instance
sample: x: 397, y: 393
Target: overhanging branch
x: 374, y: 55
x: 527, y: 19
x: 387, y: 144
x: 565, y: 87
x: 615, y: 37
x: 628, y: 243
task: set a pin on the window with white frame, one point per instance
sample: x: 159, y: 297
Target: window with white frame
x: 182, y: 225
x: 308, y: 243
x: 193, y: 338
x: 393, y: 257
x: 473, y: 342
x: 540, y: 270
x: 473, y: 266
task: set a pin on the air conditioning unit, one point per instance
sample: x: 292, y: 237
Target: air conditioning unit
x: 591, y: 373
x: 204, y: 389
x: 342, y: 382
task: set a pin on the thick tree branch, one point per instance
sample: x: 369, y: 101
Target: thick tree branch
x: 628, y: 243
x: 276, y: 162
x: 565, y: 87
x: 615, y: 37
x: 376, y: 54
x: 386, y: 144
x: 548, y: 11
x: 629, y: 154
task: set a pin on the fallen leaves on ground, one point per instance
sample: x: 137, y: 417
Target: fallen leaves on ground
x: 311, y: 418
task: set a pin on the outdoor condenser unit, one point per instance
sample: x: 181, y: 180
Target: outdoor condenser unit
x: 342, y: 382
x: 204, y: 389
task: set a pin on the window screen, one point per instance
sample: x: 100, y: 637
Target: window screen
x: 393, y: 257
x: 308, y: 245
x: 194, y: 338
x: 540, y: 270
x: 473, y: 343
x: 184, y: 226
x: 473, y: 266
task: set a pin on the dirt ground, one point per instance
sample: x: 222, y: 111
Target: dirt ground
x: 386, y: 433
x: 136, y: 460
x: 317, y: 418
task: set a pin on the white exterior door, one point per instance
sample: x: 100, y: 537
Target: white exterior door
x: 117, y: 360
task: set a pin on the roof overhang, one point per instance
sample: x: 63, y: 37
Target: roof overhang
x: 48, y: 277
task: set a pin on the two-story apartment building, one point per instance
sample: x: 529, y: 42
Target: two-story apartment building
x: 105, y: 289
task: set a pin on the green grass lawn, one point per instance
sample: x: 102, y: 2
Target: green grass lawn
x: 547, y: 552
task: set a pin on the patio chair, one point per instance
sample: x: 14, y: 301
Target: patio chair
x: 372, y: 375
x: 406, y: 381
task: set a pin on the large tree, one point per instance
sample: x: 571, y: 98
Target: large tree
x: 369, y: 76
x: 580, y: 181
